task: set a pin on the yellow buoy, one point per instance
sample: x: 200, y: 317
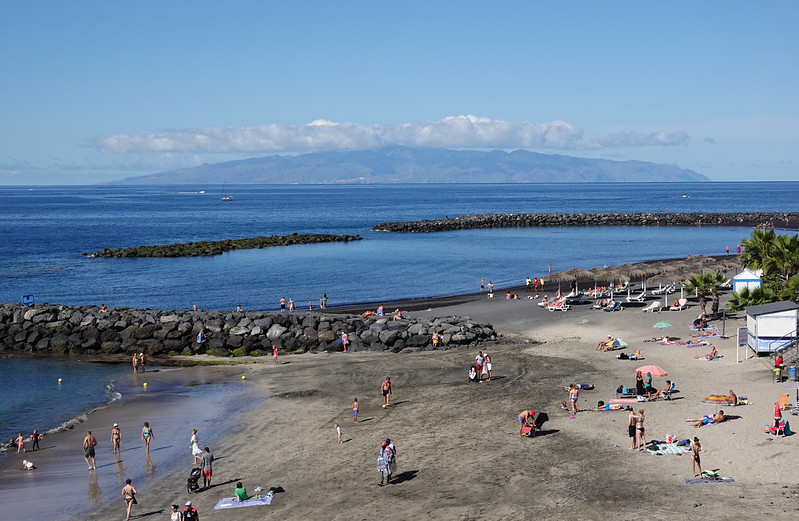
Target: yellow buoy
x: 144, y: 384
x: 243, y: 377
x: 59, y: 380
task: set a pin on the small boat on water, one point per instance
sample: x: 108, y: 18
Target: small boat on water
x: 225, y: 196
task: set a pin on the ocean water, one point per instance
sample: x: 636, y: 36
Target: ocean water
x: 31, y: 396
x: 44, y: 230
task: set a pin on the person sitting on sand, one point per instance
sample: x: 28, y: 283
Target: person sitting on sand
x: 397, y: 314
x: 544, y: 302
x: 103, y: 308
x: 733, y: 398
x: 712, y: 355
x: 603, y: 343
x: 508, y: 296
x: 700, y: 322
x: 381, y: 310
x: 472, y: 374
x: 708, y: 419
x: 241, y: 492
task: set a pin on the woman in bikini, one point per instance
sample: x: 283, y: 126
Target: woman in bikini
x: 696, y: 447
x: 639, y: 428
x: 147, y: 435
x: 116, y: 436
x: 129, y: 494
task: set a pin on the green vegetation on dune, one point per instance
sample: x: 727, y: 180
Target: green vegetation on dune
x: 208, y: 248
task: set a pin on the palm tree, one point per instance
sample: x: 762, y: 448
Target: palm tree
x: 715, y: 279
x: 747, y: 297
x: 700, y: 284
x: 758, y: 248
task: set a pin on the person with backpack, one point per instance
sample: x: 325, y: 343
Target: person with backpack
x: 190, y: 513
x: 386, y: 461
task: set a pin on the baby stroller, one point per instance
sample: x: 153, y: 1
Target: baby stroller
x: 473, y: 374
x: 191, y: 482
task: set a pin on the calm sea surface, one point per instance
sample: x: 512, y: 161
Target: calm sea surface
x: 44, y: 230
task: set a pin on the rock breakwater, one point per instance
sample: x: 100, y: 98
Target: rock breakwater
x: 55, y: 329
x: 529, y: 220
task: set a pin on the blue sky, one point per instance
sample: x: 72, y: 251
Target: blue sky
x: 94, y: 90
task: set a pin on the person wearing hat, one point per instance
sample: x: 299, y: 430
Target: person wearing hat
x: 387, y: 462
x: 27, y: 465
x: 116, y: 436
x: 603, y: 343
x: 190, y: 513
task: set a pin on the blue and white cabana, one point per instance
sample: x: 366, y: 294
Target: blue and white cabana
x: 746, y: 279
x: 771, y: 326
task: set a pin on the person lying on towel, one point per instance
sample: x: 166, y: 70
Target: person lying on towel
x: 708, y: 419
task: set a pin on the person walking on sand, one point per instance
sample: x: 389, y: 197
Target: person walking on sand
x: 147, y: 435
x: 696, y: 448
x: 355, y: 410
x: 207, y: 467
x: 574, y: 395
x: 194, y: 444
x: 190, y: 513
x: 338, y: 432
x: 116, y: 437
x: 89, y: 443
x: 631, y: 430
x: 345, y: 341
x: 385, y: 388
x: 274, y: 354
x: 129, y: 494
x: 525, y: 419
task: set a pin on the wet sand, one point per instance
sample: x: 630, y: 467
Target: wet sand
x: 175, y: 401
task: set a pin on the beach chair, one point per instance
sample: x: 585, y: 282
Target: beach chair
x: 776, y: 430
x: 681, y: 304
x: 559, y: 306
x: 625, y: 392
x: 655, y: 306
x: 727, y: 284
x: 615, y: 307
x: 638, y: 298
x: 667, y: 394
x: 783, y: 403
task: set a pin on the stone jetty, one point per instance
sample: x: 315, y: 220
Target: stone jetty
x: 68, y: 330
x: 530, y: 220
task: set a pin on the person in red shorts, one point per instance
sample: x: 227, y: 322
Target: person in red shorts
x: 207, y: 466
x: 478, y: 365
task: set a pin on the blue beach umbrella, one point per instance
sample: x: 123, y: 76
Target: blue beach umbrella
x: 661, y: 325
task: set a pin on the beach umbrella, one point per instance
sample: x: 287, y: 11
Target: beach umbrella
x: 793, y: 385
x: 579, y: 274
x: 661, y: 325
x: 617, y: 342
x: 560, y: 277
x: 717, y: 399
x: 655, y: 370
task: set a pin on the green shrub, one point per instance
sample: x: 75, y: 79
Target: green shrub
x: 256, y: 352
x: 240, y: 352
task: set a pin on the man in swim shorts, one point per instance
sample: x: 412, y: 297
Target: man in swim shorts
x: 207, y: 466
x: 525, y: 420
x: 386, y: 390
x: 478, y: 365
x: 355, y: 411
x: 574, y: 394
x: 89, y: 443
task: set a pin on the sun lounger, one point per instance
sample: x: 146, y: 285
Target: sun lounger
x: 655, y: 306
x: 727, y: 284
x: 561, y: 306
x: 637, y: 298
x: 665, y: 289
x: 681, y: 304
x: 615, y: 307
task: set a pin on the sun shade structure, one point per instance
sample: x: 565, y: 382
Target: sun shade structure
x: 653, y: 369
x: 661, y: 325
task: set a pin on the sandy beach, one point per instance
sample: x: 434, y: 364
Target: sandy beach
x: 459, y: 454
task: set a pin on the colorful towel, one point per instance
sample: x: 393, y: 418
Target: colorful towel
x: 232, y: 502
x: 666, y: 448
x: 692, y: 481
x: 624, y: 400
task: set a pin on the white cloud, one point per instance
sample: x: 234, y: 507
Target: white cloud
x: 453, y: 131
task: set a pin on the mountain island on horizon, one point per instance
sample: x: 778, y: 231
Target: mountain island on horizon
x: 399, y: 164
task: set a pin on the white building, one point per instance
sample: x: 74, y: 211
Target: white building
x: 746, y: 279
x: 771, y: 326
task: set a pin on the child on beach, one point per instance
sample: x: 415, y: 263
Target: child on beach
x: 355, y: 411
x: 338, y: 432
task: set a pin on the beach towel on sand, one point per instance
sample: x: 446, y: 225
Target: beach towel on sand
x: 692, y: 481
x: 666, y: 448
x: 232, y: 502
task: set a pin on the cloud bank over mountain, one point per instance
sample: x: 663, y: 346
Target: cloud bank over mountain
x: 464, y: 131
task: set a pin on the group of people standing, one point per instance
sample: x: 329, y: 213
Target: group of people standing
x: 139, y: 361
x: 482, y: 366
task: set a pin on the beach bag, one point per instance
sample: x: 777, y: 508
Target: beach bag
x: 620, y: 389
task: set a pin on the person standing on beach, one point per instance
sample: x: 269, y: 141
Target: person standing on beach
x: 345, y: 341
x: 89, y: 443
x: 135, y: 362
x: 207, y: 467
x: 116, y: 436
x: 142, y: 361
x: 525, y: 419
x: 274, y: 354
x: 338, y: 432
x: 478, y: 365
x: 21, y: 443
x: 631, y: 430
x: 201, y: 336
x: 147, y: 435
x: 529, y: 284
x: 490, y: 287
x: 291, y: 304
x: 550, y: 269
x: 385, y: 388
x: 310, y: 305
x: 482, y: 285
x: 190, y: 513
x: 696, y: 448
x: 639, y: 427
x: 194, y: 444
x: 35, y: 436
x: 355, y: 410
x: 574, y: 395
x: 324, y: 298
x: 129, y: 494
x: 488, y: 366
x: 282, y: 304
